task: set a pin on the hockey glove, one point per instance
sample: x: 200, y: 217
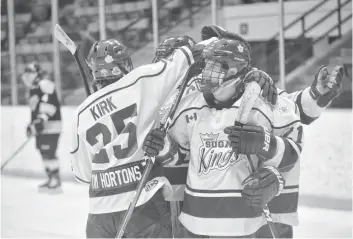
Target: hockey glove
x: 250, y: 139
x: 216, y: 31
x: 154, y: 142
x: 262, y: 186
x: 269, y: 90
x: 35, y: 128
x: 327, y: 86
x: 198, y: 48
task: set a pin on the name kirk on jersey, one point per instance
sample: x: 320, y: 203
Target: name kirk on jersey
x: 102, y: 108
x: 116, y: 177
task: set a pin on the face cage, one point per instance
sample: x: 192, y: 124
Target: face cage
x: 212, y: 76
x: 215, y: 73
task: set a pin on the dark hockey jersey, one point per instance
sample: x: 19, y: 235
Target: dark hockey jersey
x: 43, y: 102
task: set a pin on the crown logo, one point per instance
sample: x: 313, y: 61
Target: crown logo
x: 240, y: 48
x: 209, y: 137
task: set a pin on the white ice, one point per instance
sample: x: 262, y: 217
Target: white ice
x: 25, y: 213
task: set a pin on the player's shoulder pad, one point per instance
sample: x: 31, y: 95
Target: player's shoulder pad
x: 46, y: 86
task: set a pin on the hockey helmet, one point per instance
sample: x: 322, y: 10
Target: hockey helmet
x: 31, y: 74
x: 109, y: 61
x: 226, y: 62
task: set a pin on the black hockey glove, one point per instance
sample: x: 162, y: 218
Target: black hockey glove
x: 269, y: 90
x: 154, y: 142
x: 216, y: 31
x: 198, y: 48
x: 250, y: 139
x: 262, y: 186
x: 327, y: 86
x: 35, y: 128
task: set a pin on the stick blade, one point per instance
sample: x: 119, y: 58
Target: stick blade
x: 252, y: 92
x: 62, y: 37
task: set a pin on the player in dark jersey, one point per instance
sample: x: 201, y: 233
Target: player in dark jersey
x: 45, y: 122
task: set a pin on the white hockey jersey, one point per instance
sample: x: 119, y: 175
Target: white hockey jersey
x: 176, y: 171
x: 110, y: 127
x: 212, y: 202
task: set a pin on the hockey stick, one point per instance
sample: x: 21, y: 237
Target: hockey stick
x: 15, y: 153
x: 150, y: 160
x: 252, y: 91
x: 270, y: 222
x: 78, y: 54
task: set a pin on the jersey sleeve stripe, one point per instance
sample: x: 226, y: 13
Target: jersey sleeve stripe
x: 188, y: 54
x: 281, y: 91
x: 183, y: 148
x: 81, y: 180
x: 305, y: 119
x: 290, y: 157
x: 278, y: 157
x: 75, y: 150
x: 296, y: 145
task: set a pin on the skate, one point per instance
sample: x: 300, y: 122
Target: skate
x: 53, y: 185
x: 42, y: 188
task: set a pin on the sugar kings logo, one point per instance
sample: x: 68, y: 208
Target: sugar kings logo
x: 215, y: 154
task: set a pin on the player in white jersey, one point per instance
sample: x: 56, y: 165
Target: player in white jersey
x: 212, y: 204
x: 110, y: 126
x: 311, y: 102
x: 328, y: 87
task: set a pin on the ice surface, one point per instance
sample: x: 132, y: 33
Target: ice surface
x: 25, y: 213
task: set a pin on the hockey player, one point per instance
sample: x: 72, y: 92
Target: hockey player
x: 311, y: 102
x: 309, y: 107
x: 109, y: 129
x: 213, y: 205
x: 211, y: 152
x: 45, y: 122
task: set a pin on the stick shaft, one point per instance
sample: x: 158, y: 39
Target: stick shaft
x: 78, y: 53
x: 15, y: 153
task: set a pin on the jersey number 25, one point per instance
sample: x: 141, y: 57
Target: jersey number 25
x: 118, y: 118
